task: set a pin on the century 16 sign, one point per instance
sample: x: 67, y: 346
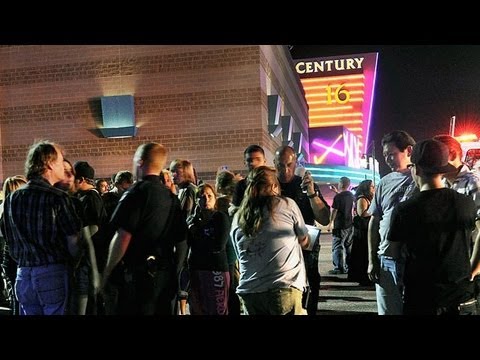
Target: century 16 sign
x: 339, y: 92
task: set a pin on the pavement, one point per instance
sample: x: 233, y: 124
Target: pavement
x: 338, y: 296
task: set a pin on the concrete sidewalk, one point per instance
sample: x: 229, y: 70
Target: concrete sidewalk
x: 338, y: 296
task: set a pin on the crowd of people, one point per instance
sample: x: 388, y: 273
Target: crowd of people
x: 161, y: 242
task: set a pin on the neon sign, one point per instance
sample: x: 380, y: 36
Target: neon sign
x: 339, y: 91
x: 334, y: 145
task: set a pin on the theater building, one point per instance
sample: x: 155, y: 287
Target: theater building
x: 205, y: 103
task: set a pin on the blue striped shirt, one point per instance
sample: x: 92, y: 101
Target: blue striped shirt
x: 38, y: 218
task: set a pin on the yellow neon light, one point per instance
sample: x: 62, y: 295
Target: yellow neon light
x: 325, y: 101
x: 333, y: 108
x: 318, y: 94
x: 336, y: 115
x: 339, y: 122
x: 328, y: 78
x: 333, y: 121
x: 307, y: 88
x: 321, y: 102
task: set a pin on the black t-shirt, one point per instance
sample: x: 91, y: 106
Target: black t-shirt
x: 436, y: 226
x: 239, y: 192
x: 93, y: 207
x: 110, y: 200
x: 293, y: 190
x: 143, y: 211
x: 208, y: 241
x: 343, y: 202
x: 94, y: 214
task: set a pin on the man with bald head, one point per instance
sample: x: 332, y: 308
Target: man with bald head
x: 150, y: 238
x: 313, y: 207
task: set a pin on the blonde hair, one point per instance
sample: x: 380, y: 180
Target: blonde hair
x: 12, y: 183
x: 188, y: 172
x: 154, y: 155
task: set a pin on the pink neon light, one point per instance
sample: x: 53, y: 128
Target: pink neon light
x: 329, y: 148
x: 370, y: 77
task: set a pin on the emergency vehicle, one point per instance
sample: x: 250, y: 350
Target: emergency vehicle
x: 471, y: 151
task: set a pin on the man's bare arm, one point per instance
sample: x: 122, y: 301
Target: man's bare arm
x: 117, y: 249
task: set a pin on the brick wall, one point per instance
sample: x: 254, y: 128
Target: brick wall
x: 204, y: 103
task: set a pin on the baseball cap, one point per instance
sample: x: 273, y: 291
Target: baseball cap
x: 432, y: 157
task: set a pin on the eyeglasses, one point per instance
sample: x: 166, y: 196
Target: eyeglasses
x: 409, y: 166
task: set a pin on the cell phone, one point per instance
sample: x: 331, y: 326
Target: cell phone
x: 305, y: 297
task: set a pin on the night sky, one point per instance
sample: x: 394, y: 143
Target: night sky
x: 418, y: 88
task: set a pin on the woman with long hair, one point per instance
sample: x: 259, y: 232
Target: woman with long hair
x: 357, y: 270
x: 208, y: 265
x: 9, y: 266
x: 269, y: 232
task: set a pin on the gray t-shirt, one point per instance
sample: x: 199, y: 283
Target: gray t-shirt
x: 389, y: 192
x: 273, y: 258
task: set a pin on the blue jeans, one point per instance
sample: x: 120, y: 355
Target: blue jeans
x: 389, y: 289
x: 43, y: 290
x: 341, y: 248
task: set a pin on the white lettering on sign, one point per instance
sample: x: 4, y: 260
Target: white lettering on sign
x: 308, y: 67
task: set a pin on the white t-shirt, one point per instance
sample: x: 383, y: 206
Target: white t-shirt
x: 273, y: 258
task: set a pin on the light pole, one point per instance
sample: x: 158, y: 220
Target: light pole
x: 368, y: 157
x: 452, y: 126
x: 373, y: 162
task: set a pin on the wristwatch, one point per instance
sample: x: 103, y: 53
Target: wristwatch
x: 312, y: 195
